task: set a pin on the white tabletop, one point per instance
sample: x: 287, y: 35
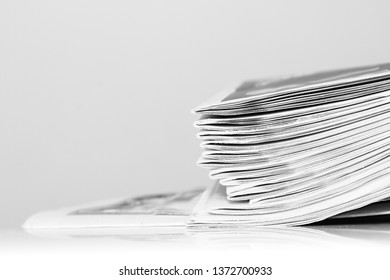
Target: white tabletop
x: 100, y: 253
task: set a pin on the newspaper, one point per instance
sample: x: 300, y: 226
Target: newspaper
x: 155, y: 210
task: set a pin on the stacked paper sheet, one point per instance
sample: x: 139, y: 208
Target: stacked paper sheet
x: 296, y: 150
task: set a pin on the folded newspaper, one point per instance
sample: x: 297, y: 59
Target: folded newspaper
x: 145, y: 211
x: 155, y: 214
x: 284, y: 151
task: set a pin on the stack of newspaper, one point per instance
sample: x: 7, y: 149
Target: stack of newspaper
x: 296, y: 150
x: 285, y: 151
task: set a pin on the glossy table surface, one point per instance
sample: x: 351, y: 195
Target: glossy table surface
x: 99, y: 253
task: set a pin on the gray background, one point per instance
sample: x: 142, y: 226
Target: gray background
x: 95, y: 96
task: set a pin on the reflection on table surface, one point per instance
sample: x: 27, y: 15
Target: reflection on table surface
x: 353, y: 234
